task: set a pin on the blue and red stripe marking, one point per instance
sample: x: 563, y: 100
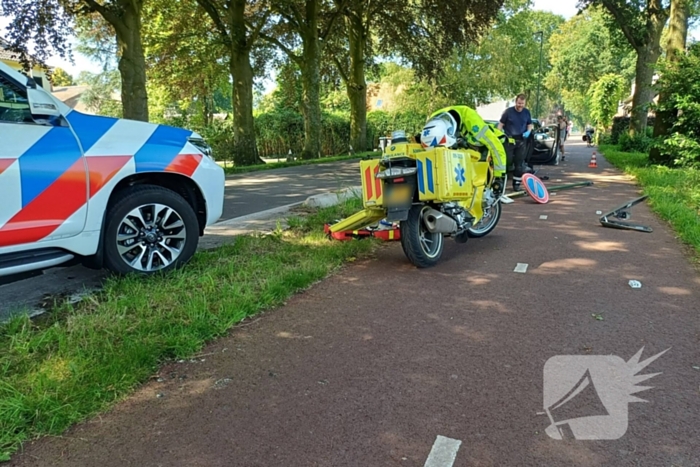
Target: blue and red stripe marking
x: 46, y: 161
x: 90, y: 128
x: 56, y: 183
x: 101, y: 169
x: 49, y: 209
x: 161, y: 149
x: 184, y: 164
x: 5, y: 163
x: 60, y: 200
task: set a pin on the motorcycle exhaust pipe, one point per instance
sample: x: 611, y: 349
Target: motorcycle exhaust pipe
x: 437, y: 222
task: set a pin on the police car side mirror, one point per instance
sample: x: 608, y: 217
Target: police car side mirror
x: 41, y: 104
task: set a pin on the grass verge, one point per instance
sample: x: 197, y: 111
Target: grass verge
x: 674, y: 193
x: 230, y: 170
x: 82, y: 358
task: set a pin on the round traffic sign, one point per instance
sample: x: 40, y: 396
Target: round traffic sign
x: 535, y: 188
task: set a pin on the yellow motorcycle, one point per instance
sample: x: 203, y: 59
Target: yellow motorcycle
x: 433, y: 193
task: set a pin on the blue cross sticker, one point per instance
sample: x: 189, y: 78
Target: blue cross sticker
x: 459, y: 171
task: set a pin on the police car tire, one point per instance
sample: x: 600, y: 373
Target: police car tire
x: 139, y: 195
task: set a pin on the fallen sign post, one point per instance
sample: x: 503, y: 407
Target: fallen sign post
x: 621, y: 212
x: 568, y: 186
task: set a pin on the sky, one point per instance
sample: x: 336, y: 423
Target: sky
x: 565, y: 8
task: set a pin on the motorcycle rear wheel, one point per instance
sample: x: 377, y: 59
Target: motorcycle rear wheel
x: 421, y: 247
x: 487, y: 223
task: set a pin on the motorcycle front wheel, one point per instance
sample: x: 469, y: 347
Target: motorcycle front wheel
x: 421, y: 247
x: 487, y: 222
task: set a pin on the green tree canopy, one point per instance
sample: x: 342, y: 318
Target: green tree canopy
x: 605, y: 95
x: 60, y: 77
x: 506, y: 61
x: 581, y: 52
x: 641, y: 22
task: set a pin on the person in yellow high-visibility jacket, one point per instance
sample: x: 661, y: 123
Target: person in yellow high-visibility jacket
x: 461, y: 121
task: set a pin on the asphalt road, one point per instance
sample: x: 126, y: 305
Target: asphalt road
x: 259, y: 191
x: 387, y: 365
x: 245, y: 194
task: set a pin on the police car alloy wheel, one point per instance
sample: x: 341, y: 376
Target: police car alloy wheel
x: 149, y: 229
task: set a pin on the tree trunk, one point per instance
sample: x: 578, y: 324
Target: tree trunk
x: 132, y: 63
x: 677, y: 36
x: 643, y: 92
x: 245, y: 150
x: 311, y: 78
x: 356, y: 85
x: 648, y: 53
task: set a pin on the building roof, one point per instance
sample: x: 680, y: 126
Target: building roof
x: 7, y: 54
x: 70, y: 95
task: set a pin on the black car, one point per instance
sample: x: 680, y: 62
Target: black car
x: 545, y: 148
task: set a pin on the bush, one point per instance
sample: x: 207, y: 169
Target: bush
x: 635, y: 143
x: 219, y: 135
x: 382, y: 123
x: 278, y: 131
x: 685, y: 150
x: 680, y: 84
x: 605, y: 138
x: 621, y: 126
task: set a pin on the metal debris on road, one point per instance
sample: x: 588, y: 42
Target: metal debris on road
x: 543, y: 217
x: 599, y: 212
x: 520, y: 267
x: 622, y: 212
x: 635, y: 284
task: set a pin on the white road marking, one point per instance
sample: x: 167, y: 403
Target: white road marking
x: 444, y: 452
x: 520, y: 267
x: 543, y: 217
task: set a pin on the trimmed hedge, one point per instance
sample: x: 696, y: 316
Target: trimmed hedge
x: 279, y: 131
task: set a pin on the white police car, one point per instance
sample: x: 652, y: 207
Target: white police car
x: 120, y: 194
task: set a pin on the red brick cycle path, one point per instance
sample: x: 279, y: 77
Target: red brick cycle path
x: 368, y: 367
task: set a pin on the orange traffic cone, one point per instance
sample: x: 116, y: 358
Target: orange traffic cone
x: 593, y: 163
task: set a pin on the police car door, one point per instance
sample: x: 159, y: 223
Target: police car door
x: 43, y: 186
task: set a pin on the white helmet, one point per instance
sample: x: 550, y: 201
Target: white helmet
x: 440, y: 130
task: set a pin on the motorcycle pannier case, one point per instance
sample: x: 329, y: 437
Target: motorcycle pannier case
x: 445, y: 175
x: 372, y: 193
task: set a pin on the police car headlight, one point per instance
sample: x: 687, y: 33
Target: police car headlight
x: 202, y: 145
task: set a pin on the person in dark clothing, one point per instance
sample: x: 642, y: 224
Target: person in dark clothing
x: 516, y: 123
